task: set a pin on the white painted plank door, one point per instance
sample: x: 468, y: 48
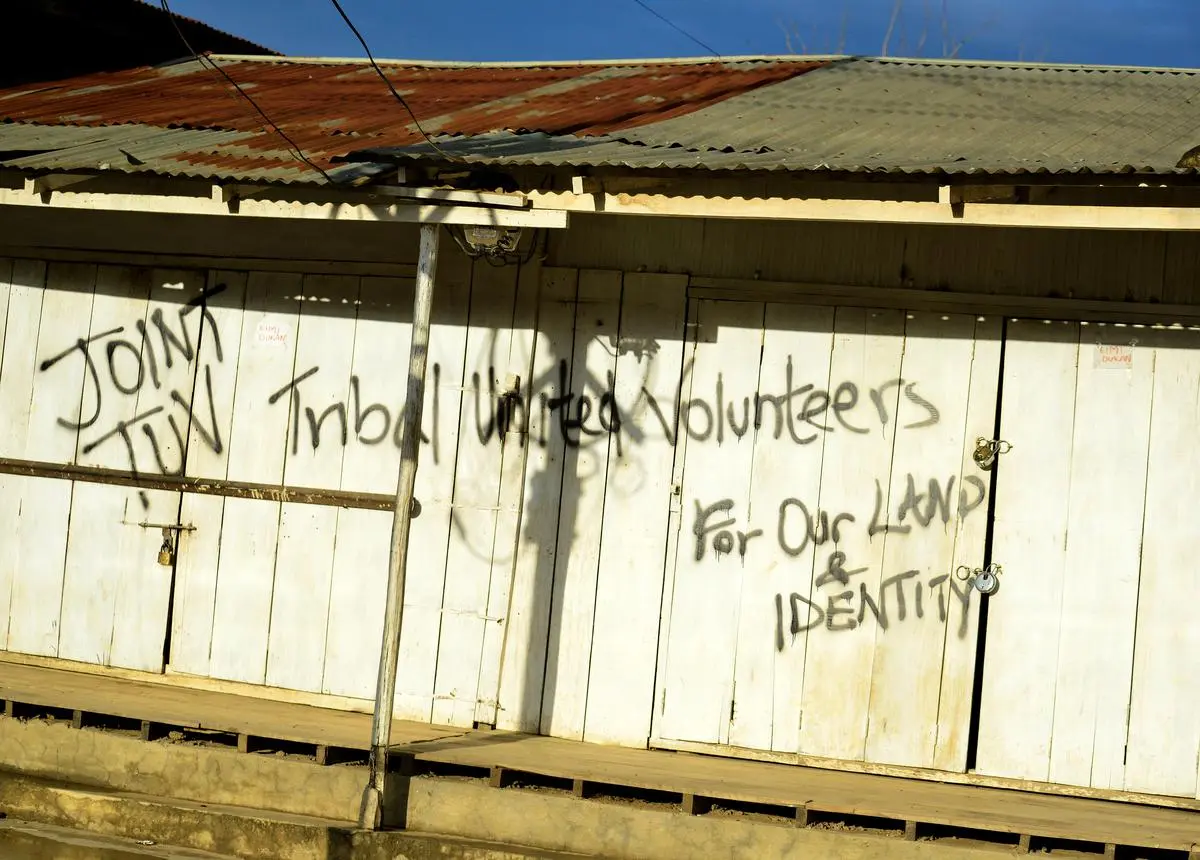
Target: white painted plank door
x: 849, y: 523
x: 716, y: 535
x: 962, y: 622
x: 258, y: 438
x: 174, y: 321
x: 524, y: 650
x: 320, y: 433
x: 358, y: 591
x: 582, y: 419
x: 104, y: 533
x: 1164, y: 732
x: 629, y: 587
x: 1104, y: 542
x: 924, y: 609
x: 512, y: 422
x: 769, y: 668
x: 1030, y: 536
x: 420, y: 644
x: 476, y: 497
x: 45, y: 428
x: 198, y: 555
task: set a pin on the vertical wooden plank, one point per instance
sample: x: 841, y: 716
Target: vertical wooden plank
x: 629, y: 588
x: 515, y: 428
x: 382, y: 334
x: 55, y: 396
x: 1164, y: 734
x: 476, y: 497
x: 797, y: 343
x: 857, y: 492
x: 199, y: 551
x: 430, y: 537
x: 912, y: 632
x: 716, y: 492
x: 304, y: 554
x: 1030, y: 538
x: 263, y: 420
x: 581, y: 513
x: 958, y: 662
x: 1104, y: 541
x: 10, y: 488
x: 524, y: 656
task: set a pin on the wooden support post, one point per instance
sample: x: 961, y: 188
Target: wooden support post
x: 580, y: 788
x: 695, y: 805
x: 1110, y: 850
x: 322, y: 755
x: 910, y: 831
x: 243, y: 743
x: 802, y: 816
x: 370, y: 813
x: 1023, y: 843
x: 498, y: 778
x: 77, y: 719
x: 9, y: 707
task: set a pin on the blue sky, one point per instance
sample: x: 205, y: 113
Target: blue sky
x: 1113, y: 32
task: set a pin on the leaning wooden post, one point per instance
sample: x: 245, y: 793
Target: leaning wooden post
x: 371, y: 811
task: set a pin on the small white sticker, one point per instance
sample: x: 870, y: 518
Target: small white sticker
x: 1113, y: 356
x: 273, y: 333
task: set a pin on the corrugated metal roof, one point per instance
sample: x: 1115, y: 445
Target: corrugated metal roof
x: 804, y: 114
x: 331, y: 108
x: 902, y: 116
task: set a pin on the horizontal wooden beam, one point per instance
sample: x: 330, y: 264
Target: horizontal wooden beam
x: 222, y: 204
x: 951, y: 210
x: 201, y: 486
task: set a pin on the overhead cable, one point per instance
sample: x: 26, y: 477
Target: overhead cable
x: 207, y: 62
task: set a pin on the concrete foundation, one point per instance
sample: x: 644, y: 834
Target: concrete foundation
x: 253, y: 806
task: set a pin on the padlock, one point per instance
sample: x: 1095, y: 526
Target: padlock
x: 166, y: 556
x: 987, y: 581
x: 985, y: 454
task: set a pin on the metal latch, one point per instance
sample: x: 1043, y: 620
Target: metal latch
x: 987, y: 450
x: 986, y: 580
x: 166, y: 552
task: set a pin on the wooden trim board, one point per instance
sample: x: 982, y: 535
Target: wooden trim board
x: 748, y: 290
x: 183, y: 261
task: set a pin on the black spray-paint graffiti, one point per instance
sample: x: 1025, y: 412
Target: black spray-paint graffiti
x: 116, y: 366
x: 803, y: 411
x: 834, y: 609
x: 717, y: 533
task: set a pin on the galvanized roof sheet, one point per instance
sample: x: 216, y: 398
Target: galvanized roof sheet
x: 331, y: 108
x: 901, y: 116
x: 797, y: 114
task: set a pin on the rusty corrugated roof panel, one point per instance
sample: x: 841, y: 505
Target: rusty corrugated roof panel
x: 332, y: 108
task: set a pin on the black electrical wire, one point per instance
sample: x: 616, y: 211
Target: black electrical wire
x: 292, y: 145
x: 384, y: 78
x: 673, y: 26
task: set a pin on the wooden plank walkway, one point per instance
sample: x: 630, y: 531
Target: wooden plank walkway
x: 698, y: 780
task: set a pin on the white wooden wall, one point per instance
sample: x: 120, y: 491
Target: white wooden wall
x: 557, y: 579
